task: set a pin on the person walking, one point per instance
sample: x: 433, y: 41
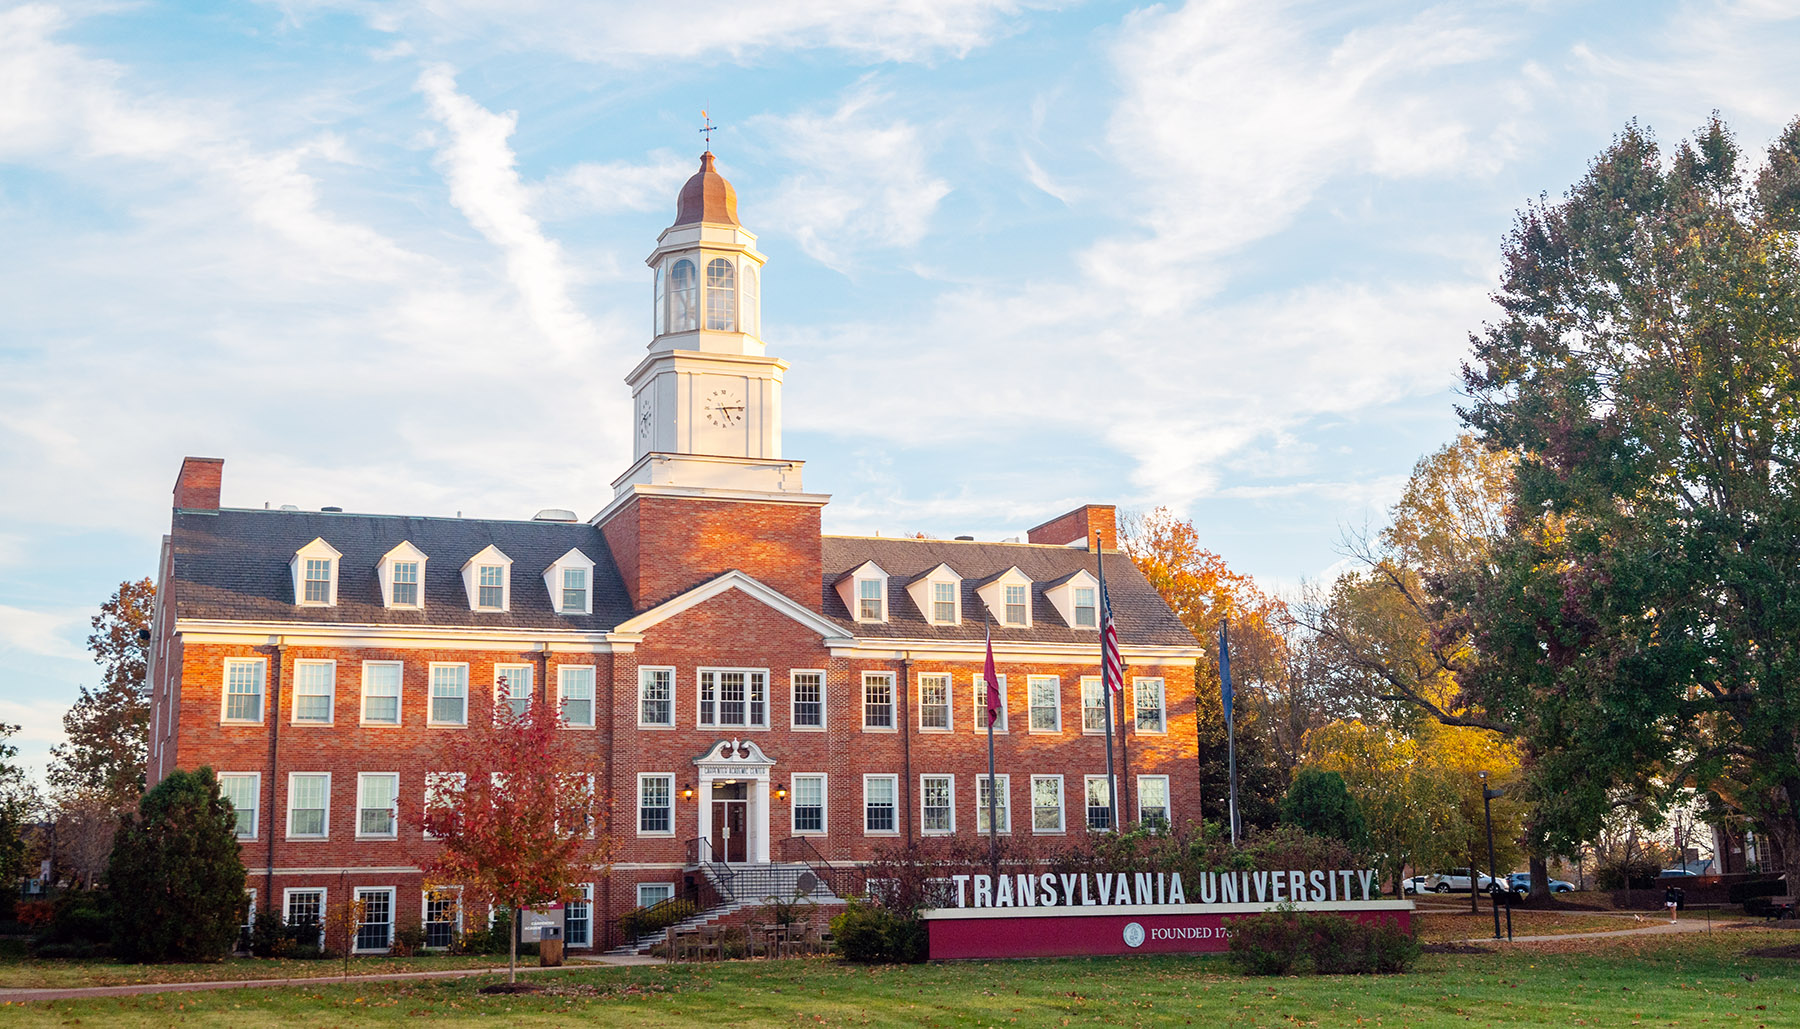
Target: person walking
x: 1672, y: 901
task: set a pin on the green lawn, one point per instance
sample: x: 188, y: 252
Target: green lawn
x: 25, y: 973
x: 1690, y: 980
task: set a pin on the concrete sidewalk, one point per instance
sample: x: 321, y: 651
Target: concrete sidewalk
x: 1657, y: 927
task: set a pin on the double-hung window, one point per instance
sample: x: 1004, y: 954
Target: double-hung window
x: 512, y: 687
x: 318, y: 581
x: 443, y: 915
x: 578, y: 918
x: 315, y: 685
x: 490, y: 587
x: 1093, y: 705
x: 376, y: 793
x: 244, y: 689
x: 934, y: 702
x: 1086, y: 613
x: 943, y: 603
x: 878, y: 700
x: 240, y: 790
x: 652, y: 894
x: 309, y: 804
x: 1153, y: 799
x: 980, y: 697
x: 1046, y: 703
x: 1002, y: 798
x: 808, y: 689
x: 304, y: 906
x: 381, y: 692
x: 937, y: 804
x: 656, y: 696
x: 449, y: 694
x: 575, y: 695
x: 376, y: 931
x: 809, y: 804
x: 880, y: 793
x: 869, y: 600
x: 1147, y: 702
x: 656, y: 804
x: 443, y: 798
x: 1099, y: 801
x: 1046, y: 803
x: 1016, y: 609
x: 574, y: 590
x: 734, y: 696
x: 406, y: 584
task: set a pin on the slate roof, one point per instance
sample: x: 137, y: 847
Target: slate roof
x: 1142, y: 617
x: 234, y: 565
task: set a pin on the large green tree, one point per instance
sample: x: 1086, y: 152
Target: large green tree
x: 18, y: 806
x: 1640, y: 623
x: 176, y: 880
x: 108, y: 726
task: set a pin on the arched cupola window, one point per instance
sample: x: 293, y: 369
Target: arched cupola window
x: 752, y: 316
x: 661, y: 317
x: 721, y: 295
x: 684, y: 297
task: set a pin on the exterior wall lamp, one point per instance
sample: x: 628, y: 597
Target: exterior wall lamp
x: 687, y: 793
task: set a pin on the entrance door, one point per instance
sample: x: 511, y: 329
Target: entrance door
x: 730, y: 822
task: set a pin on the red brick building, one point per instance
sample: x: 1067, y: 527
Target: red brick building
x: 755, y: 693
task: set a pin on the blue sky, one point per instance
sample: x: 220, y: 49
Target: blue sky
x: 1222, y: 256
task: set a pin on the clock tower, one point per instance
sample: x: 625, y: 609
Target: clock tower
x: 706, y: 398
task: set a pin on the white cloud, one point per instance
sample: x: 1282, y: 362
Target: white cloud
x: 863, y: 184
x: 595, y: 187
x: 45, y: 633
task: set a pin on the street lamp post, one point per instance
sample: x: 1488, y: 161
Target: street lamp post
x: 1487, y: 807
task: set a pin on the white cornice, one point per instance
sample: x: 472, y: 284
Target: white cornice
x: 832, y: 633
x: 407, y: 637
x: 703, y: 493
x: 1024, y: 652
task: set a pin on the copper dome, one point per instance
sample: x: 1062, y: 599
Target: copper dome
x: 706, y: 197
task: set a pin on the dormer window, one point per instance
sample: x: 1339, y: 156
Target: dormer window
x: 1087, y: 615
x: 938, y: 595
x: 487, y: 579
x: 315, y: 572
x: 402, y: 575
x: 943, y: 602
x: 1017, y: 611
x: 570, y: 583
x: 864, y: 592
x: 1008, y: 598
x: 1076, y: 599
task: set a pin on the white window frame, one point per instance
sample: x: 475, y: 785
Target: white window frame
x: 638, y: 820
x: 1006, y: 605
x: 330, y: 697
x: 949, y: 803
x: 1062, y: 803
x: 1099, y: 684
x: 388, y: 574
x: 949, y: 705
x: 456, y: 920
x: 489, y: 556
x: 1162, y: 700
x: 794, y: 804
x: 1031, y: 706
x: 418, y: 586
x: 287, y: 904
x: 978, y: 693
x: 435, y: 783
x: 894, y: 781
x: 262, y: 690
x: 893, y: 704
x: 593, y: 688
x: 328, y: 565
x: 794, y: 700
x: 1168, y: 801
x: 556, y: 582
x: 317, y: 550
x: 501, y: 670
x: 849, y: 589
x: 362, y: 781
x: 399, y: 694
x: 431, y: 696
x: 923, y: 591
x: 356, y: 938
x: 587, y: 902
x: 324, y: 822
x: 1076, y: 606
x: 1085, y: 821
x: 645, y: 672
x: 669, y: 886
x: 955, y: 602
x: 870, y: 591
x: 1004, y: 781
x: 255, y: 801
x: 700, y: 702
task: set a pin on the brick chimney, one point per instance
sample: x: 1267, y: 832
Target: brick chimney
x: 197, y: 488
x: 1081, y: 524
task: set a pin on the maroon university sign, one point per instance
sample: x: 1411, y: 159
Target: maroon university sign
x: 1140, y: 913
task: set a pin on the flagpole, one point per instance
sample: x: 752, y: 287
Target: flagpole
x: 993, y: 715
x: 1230, y: 725
x: 1112, y: 781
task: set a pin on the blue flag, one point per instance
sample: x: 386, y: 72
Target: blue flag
x: 1224, y: 670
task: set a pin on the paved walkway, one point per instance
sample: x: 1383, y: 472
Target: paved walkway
x: 15, y: 995
x: 1652, y: 927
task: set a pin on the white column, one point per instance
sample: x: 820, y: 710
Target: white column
x: 704, y: 814
x: 759, y: 821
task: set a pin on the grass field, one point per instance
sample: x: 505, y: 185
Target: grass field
x: 1688, y: 980
x: 30, y: 974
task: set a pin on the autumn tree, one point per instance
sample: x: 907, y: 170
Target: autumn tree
x: 108, y: 726
x: 1641, y: 621
x: 517, y: 825
x: 18, y: 806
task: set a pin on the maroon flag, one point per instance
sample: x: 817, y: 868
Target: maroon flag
x: 1113, y: 666
x: 993, y: 680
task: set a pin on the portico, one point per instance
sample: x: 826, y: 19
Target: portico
x: 732, y: 816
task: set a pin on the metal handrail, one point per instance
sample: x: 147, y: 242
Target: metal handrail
x: 842, y: 881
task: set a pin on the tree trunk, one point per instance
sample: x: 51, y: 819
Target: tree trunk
x: 1540, y: 881
x: 512, y: 944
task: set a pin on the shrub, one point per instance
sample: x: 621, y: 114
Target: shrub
x: 77, y: 922
x: 1627, y: 873
x: 175, y: 876
x: 409, y: 939
x: 871, y: 934
x: 1279, y: 942
x: 644, y: 921
x: 1737, y: 892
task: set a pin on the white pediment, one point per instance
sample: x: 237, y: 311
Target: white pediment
x: 733, y: 758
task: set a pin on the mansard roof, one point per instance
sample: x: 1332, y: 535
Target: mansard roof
x: 1142, y: 617
x: 233, y: 565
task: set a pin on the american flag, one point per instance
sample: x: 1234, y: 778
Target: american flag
x: 1112, y: 665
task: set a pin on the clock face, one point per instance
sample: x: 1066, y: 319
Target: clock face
x: 724, y: 408
x: 645, y: 415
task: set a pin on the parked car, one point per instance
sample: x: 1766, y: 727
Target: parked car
x: 1520, y: 882
x: 1678, y: 873
x: 1417, y: 884
x: 1457, y: 881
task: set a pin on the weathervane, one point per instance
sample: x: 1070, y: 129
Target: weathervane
x: 706, y: 129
